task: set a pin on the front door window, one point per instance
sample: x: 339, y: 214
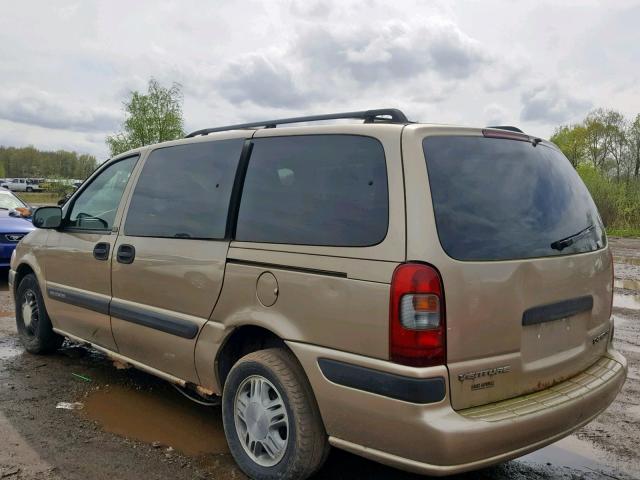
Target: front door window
x: 95, y: 208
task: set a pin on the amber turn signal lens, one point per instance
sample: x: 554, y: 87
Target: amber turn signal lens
x: 426, y: 303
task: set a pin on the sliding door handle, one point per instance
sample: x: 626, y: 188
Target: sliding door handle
x: 126, y: 253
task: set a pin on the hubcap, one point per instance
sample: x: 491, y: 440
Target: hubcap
x: 261, y: 421
x: 30, y: 314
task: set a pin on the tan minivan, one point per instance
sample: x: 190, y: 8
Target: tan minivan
x: 431, y: 297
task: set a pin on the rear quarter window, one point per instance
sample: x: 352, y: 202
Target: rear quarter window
x: 325, y: 190
x: 498, y: 199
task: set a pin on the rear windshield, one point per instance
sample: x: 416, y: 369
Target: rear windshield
x: 497, y: 199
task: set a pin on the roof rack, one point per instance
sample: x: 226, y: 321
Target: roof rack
x: 369, y: 116
x: 507, y: 127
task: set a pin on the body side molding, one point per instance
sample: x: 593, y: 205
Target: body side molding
x: 414, y: 390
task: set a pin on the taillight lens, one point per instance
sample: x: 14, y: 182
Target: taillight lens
x: 416, y: 317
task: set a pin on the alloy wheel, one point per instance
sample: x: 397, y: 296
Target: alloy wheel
x: 261, y: 420
x: 30, y: 312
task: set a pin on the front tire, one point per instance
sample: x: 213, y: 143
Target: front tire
x: 34, y: 325
x: 271, y: 419
x: 29, y: 189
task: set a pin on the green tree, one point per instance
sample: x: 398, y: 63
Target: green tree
x: 571, y: 139
x: 596, y: 137
x: 31, y: 162
x: 150, y: 118
x: 633, y: 136
x: 617, y: 139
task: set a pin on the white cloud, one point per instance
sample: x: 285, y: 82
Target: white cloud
x: 65, y: 67
x: 551, y: 104
x: 495, y: 114
x: 43, y: 109
x: 261, y: 80
x: 328, y: 62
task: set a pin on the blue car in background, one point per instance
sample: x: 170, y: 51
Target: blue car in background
x: 15, y: 223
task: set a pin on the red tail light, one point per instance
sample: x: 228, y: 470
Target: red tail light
x: 416, y: 317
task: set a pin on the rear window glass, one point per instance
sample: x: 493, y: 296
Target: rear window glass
x: 315, y: 190
x: 497, y: 199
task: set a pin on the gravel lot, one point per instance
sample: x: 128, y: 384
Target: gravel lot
x: 134, y: 426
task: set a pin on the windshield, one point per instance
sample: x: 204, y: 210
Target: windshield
x: 8, y: 202
x: 497, y: 199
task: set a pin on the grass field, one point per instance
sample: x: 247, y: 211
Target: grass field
x: 624, y: 232
x: 39, y: 198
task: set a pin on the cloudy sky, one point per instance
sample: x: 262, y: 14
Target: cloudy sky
x: 66, y: 66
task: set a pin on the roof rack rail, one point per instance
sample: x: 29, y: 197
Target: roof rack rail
x: 369, y: 116
x: 507, y: 127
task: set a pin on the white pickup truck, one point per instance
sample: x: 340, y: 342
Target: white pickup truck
x: 22, y: 185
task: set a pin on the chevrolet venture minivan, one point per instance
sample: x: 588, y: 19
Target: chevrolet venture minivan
x: 435, y: 298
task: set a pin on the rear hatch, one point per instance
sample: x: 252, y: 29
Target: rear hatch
x: 527, y: 274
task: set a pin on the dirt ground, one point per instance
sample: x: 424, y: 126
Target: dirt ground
x: 134, y: 426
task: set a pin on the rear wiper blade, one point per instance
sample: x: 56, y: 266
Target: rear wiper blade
x: 568, y: 241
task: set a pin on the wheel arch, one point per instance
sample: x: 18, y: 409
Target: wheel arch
x: 22, y: 271
x: 27, y: 264
x: 240, y: 341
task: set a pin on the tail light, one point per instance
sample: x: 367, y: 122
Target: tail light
x: 416, y: 317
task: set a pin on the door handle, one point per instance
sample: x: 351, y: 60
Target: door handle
x: 126, y: 253
x: 101, y: 251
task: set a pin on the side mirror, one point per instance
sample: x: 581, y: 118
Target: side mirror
x: 47, y: 217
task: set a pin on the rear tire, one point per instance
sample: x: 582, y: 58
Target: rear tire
x: 34, y: 325
x: 29, y: 189
x: 271, y: 419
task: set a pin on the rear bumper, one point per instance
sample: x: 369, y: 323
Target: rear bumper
x: 432, y: 438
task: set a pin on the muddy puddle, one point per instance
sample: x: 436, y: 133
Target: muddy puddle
x: 635, y: 411
x: 627, y: 284
x: 9, y: 349
x: 570, y: 452
x: 631, y: 302
x: 161, y: 417
x: 627, y: 260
